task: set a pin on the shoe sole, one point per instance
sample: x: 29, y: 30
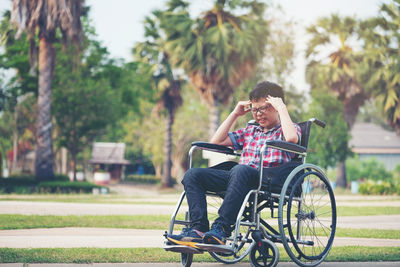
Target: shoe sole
x: 212, y: 240
x: 183, y: 243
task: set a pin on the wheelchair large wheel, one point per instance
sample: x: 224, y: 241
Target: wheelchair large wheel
x: 307, y: 215
x: 242, y: 245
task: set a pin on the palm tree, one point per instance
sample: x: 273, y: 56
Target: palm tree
x: 382, y: 61
x: 41, y: 19
x: 217, y: 50
x: 152, y: 52
x: 339, y: 70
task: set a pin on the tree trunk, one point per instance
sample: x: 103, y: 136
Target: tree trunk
x: 341, y: 179
x: 349, y: 115
x: 166, y: 178
x: 73, y: 165
x: 214, y: 117
x: 15, y: 143
x: 44, y: 152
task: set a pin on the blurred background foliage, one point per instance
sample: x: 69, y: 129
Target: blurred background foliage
x: 98, y: 98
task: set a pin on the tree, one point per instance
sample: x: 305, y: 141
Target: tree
x: 338, y: 71
x: 14, y: 59
x: 83, y: 106
x: 327, y: 149
x: 41, y: 19
x: 152, y: 51
x: 381, y: 64
x: 217, y: 50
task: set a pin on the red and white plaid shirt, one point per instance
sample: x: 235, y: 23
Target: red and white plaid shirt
x: 250, y: 141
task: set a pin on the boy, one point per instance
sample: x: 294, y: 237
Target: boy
x: 274, y: 123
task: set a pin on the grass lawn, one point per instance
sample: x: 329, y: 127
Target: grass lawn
x: 93, y: 255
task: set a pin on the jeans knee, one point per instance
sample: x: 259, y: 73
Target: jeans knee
x: 191, y: 176
x: 244, y: 175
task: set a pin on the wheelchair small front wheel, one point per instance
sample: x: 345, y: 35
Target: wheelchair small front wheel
x: 186, y: 259
x: 264, y: 254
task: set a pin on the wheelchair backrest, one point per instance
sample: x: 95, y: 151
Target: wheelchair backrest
x: 305, y: 127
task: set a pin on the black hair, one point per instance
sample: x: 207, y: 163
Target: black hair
x: 263, y: 89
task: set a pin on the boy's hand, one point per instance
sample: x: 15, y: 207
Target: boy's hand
x: 242, y: 108
x: 276, y: 102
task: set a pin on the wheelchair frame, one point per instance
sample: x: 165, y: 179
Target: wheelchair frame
x: 298, y: 242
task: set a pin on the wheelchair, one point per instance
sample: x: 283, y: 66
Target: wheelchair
x: 306, y: 214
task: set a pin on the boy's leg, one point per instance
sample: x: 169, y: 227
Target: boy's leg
x: 242, y: 179
x: 196, y: 182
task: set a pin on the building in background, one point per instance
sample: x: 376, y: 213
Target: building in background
x: 108, y: 160
x: 372, y: 141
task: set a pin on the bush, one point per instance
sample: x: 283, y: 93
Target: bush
x: 66, y: 187
x: 370, y: 187
x: 145, y: 179
x: 17, y: 184
x: 369, y: 169
x: 26, y: 184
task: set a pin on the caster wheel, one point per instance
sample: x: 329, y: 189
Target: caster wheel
x: 186, y: 259
x: 264, y: 254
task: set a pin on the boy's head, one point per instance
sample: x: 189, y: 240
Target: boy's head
x: 263, y: 112
x: 263, y: 89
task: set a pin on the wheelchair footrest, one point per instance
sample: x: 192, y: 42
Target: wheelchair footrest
x: 215, y: 248
x: 181, y: 249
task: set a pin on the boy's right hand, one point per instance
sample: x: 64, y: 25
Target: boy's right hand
x: 242, y: 108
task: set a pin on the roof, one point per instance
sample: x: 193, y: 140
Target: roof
x: 369, y: 138
x: 108, y: 153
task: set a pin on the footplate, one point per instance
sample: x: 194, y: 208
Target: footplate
x: 181, y: 249
x: 215, y: 248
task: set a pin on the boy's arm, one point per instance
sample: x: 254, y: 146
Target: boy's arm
x: 288, y: 128
x: 221, y: 136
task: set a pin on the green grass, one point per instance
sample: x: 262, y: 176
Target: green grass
x: 16, y: 221
x: 110, y: 255
x: 92, y: 199
x: 367, y: 211
x: 156, y: 222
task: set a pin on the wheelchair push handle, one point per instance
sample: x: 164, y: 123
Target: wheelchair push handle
x: 318, y: 122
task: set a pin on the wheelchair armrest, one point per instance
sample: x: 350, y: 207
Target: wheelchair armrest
x: 214, y: 147
x: 286, y: 146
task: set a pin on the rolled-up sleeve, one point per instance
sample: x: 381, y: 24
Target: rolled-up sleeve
x: 237, y: 138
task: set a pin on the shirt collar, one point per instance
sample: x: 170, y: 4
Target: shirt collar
x: 261, y: 129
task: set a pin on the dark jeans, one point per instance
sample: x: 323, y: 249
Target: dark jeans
x: 237, y: 182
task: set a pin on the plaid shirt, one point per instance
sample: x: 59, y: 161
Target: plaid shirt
x: 250, y: 141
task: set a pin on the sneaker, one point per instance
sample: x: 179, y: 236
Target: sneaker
x: 188, y: 237
x: 217, y: 235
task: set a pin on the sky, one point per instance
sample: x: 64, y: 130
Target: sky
x: 118, y: 23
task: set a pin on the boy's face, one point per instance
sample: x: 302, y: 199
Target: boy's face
x: 264, y: 113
